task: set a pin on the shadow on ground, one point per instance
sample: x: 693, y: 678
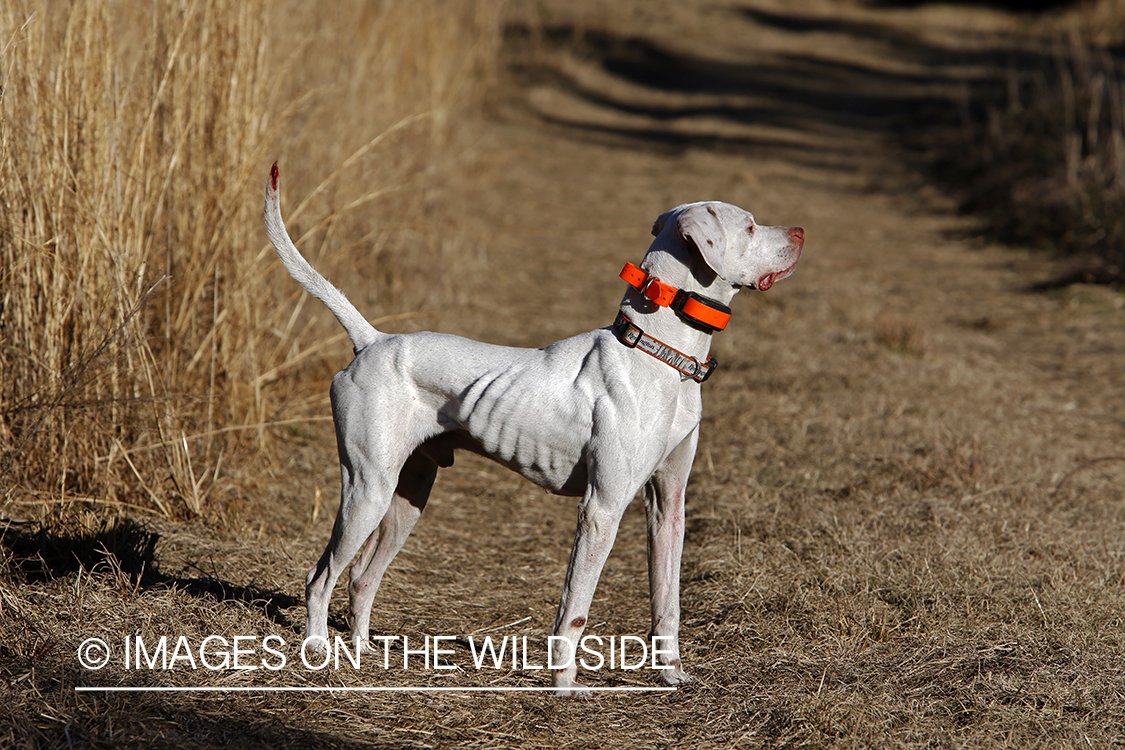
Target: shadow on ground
x: 797, y: 91
x: 923, y: 104
x: 123, y: 547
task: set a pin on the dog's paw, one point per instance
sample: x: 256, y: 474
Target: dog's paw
x: 315, y: 647
x: 674, y: 674
x: 574, y: 690
x: 566, y: 686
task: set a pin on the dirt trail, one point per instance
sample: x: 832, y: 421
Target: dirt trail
x: 904, y: 367
x: 790, y: 114
x: 904, y: 375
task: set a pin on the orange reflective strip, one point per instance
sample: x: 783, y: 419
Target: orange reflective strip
x: 706, y: 314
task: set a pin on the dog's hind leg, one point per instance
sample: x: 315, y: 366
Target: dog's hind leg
x: 371, y: 459
x: 362, y: 506
x: 414, y: 484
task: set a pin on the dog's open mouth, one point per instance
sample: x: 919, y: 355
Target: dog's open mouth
x: 768, y: 280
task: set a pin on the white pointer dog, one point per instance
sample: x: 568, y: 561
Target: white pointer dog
x: 599, y: 416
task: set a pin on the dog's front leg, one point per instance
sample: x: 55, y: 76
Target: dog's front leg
x: 598, y: 517
x: 664, y: 505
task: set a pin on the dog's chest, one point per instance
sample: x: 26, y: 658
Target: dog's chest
x: 530, y: 419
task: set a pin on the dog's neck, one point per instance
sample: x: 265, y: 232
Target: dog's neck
x: 682, y: 268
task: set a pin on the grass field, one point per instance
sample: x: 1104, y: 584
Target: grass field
x: 905, y: 526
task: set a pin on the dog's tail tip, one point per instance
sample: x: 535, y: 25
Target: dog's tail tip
x: 273, y: 178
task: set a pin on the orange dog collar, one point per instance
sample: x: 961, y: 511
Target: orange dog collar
x: 697, y: 311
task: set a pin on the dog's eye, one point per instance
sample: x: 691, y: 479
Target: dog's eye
x: 750, y: 229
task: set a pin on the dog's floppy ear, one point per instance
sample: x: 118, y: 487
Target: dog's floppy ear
x: 699, y: 226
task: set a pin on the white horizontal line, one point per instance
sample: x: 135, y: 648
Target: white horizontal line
x: 299, y: 689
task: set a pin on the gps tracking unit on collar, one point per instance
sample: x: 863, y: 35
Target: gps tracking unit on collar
x: 696, y: 310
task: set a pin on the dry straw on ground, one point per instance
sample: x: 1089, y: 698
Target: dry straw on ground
x: 905, y: 519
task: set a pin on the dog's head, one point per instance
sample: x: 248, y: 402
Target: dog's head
x: 731, y: 244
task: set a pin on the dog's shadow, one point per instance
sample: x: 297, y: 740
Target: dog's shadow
x: 126, y: 549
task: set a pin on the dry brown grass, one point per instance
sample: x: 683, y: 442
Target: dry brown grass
x: 126, y: 248
x: 143, y: 330
x: 902, y: 601
x: 905, y: 522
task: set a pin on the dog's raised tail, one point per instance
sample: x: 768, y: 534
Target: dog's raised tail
x: 359, y: 330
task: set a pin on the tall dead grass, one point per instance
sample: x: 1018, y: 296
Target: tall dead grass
x: 142, y: 328
x: 1045, y: 163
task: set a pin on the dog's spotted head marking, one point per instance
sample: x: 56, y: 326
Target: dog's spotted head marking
x: 736, y: 248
